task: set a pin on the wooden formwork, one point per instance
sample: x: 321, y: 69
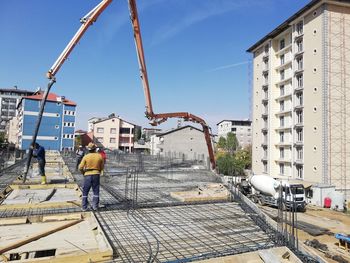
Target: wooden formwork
x: 75, y: 237
x: 13, y: 199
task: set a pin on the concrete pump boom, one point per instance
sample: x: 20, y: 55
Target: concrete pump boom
x: 154, y: 118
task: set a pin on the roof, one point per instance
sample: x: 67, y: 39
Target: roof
x: 286, y: 24
x: 114, y: 117
x: 245, y: 121
x: 178, y: 129
x: 17, y: 90
x: 51, y: 97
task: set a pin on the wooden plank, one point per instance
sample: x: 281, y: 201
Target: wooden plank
x: 38, y: 236
x: 13, y: 221
x: 268, y: 256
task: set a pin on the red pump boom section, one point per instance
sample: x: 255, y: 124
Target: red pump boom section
x: 155, y: 118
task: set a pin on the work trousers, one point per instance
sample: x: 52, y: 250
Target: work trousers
x: 91, y: 181
x: 41, y: 164
x: 78, y: 162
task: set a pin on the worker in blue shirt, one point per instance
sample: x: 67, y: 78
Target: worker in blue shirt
x: 39, y: 154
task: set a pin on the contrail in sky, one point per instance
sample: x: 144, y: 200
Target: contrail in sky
x: 228, y: 66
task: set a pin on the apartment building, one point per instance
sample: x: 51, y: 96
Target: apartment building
x: 301, y: 83
x: 185, y: 142
x: 9, y: 98
x: 114, y: 133
x: 57, y: 126
x: 241, y: 128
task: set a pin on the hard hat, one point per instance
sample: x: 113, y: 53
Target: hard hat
x: 91, y: 146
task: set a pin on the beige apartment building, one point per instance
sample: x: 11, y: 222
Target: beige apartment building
x: 114, y: 133
x: 301, y: 91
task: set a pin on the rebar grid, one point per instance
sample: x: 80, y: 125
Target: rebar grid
x: 182, y: 232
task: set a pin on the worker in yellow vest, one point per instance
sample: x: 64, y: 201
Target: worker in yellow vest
x: 91, y: 167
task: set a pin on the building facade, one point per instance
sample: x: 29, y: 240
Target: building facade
x: 186, y: 142
x: 114, y: 133
x: 241, y: 128
x: 9, y: 99
x: 301, y: 83
x: 57, y: 126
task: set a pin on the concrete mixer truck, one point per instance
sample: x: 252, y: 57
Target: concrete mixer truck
x: 265, y: 190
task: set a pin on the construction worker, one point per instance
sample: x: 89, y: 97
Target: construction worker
x: 79, y: 154
x: 39, y: 154
x: 91, y: 167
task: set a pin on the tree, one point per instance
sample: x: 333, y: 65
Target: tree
x: 244, y: 158
x: 137, y: 133
x: 231, y: 143
x: 222, y: 143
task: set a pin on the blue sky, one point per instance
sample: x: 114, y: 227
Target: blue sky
x: 195, y: 52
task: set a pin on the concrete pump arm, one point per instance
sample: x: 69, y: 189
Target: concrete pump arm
x: 154, y: 118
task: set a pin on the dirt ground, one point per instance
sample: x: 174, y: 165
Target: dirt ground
x: 336, y: 222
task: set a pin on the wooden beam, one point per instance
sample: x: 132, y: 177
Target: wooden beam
x: 38, y: 236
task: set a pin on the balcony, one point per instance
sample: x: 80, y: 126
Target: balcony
x: 284, y: 65
x: 298, y: 89
x: 283, y: 128
x: 264, y: 144
x: 298, y: 71
x: 298, y: 107
x: 283, y: 96
x: 264, y: 159
x: 299, y: 162
x: 283, y: 112
x: 283, y: 81
x: 264, y: 115
x: 283, y: 160
x: 265, y: 100
x: 284, y: 144
x: 298, y: 125
x: 298, y: 143
x: 265, y: 86
x: 298, y: 53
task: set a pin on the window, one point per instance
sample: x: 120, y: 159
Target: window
x: 282, y: 59
x: 300, y: 45
x: 282, y: 121
x: 124, y: 130
x: 299, y: 116
x: 265, y: 138
x: 282, y: 90
x: 300, y: 28
x: 299, y: 97
x: 100, y: 130
x: 299, y: 153
x: 300, y: 135
x: 266, y: 49
x: 265, y: 153
x: 300, y: 172
x: 282, y: 75
x: 282, y: 105
x: 281, y: 136
x: 99, y: 139
x: 300, y: 81
x: 112, y: 140
x: 281, y: 153
x: 113, y: 131
x: 265, y: 167
x: 300, y: 63
x: 282, y: 168
x: 282, y: 44
x: 233, y: 129
x: 266, y: 79
x: 266, y: 95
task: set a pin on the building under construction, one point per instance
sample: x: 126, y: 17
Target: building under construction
x: 301, y: 86
x: 152, y: 210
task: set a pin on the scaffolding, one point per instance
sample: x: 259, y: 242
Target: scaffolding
x: 337, y: 58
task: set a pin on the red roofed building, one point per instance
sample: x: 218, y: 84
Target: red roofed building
x: 57, y: 126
